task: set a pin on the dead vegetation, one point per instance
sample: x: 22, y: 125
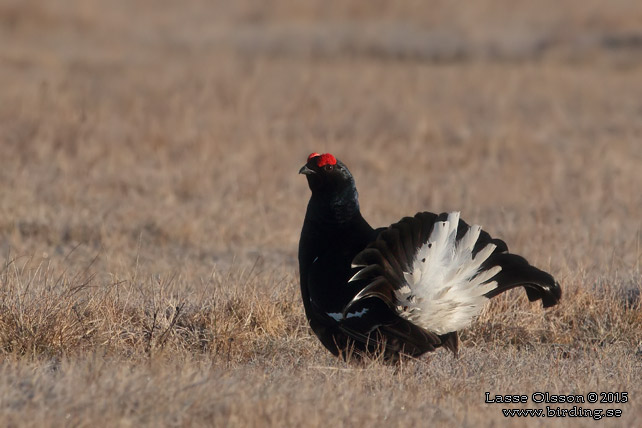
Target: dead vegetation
x: 150, y: 207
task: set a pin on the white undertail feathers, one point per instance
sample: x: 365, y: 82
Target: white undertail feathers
x: 445, y: 289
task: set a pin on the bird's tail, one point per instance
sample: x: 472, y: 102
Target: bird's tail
x: 437, y: 271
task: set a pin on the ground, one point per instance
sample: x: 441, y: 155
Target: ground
x: 150, y: 205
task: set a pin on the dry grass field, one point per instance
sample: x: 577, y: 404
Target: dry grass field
x: 150, y: 205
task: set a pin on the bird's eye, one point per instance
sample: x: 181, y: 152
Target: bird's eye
x: 328, y: 167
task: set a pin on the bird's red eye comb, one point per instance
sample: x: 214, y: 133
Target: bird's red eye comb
x: 324, y: 159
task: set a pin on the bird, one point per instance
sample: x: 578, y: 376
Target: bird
x: 401, y: 290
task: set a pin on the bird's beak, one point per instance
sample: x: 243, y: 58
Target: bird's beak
x: 305, y: 170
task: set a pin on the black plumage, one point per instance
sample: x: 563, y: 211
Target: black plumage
x: 403, y: 289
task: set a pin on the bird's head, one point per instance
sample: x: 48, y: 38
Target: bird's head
x: 326, y: 174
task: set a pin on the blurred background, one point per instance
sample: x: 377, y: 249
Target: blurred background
x: 174, y: 130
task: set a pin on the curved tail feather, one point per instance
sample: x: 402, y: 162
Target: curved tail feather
x: 516, y: 271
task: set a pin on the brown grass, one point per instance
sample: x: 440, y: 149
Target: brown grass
x: 150, y: 207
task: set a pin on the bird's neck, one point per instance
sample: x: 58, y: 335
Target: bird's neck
x: 335, y: 227
x: 336, y: 210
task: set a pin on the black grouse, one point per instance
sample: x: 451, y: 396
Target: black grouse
x: 405, y: 289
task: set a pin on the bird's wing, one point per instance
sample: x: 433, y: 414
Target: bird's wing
x: 379, y: 328
x: 437, y: 272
